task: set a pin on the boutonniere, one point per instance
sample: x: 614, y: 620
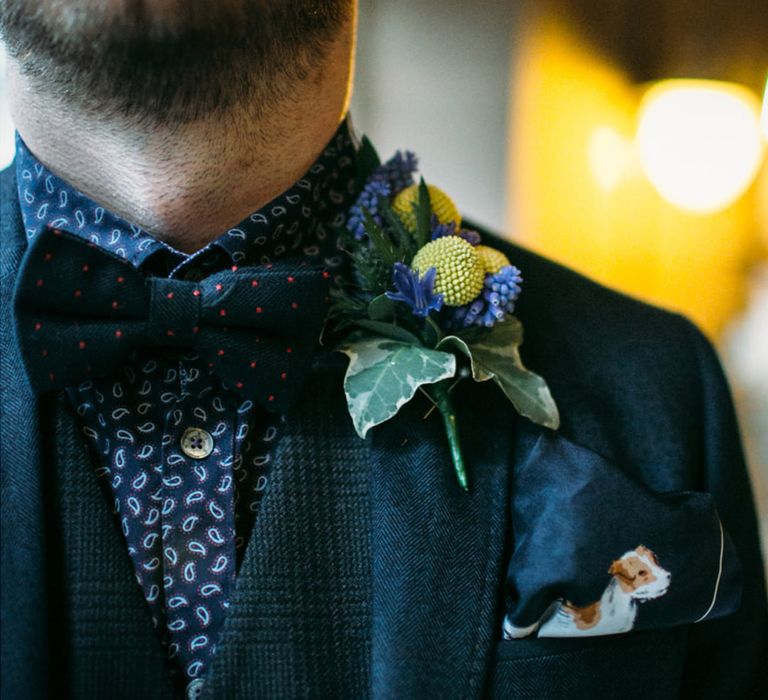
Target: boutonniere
x: 426, y: 306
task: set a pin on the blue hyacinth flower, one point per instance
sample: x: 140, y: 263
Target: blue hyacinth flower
x: 417, y: 292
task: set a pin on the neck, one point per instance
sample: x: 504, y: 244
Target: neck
x: 187, y: 183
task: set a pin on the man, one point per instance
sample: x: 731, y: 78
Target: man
x: 276, y: 553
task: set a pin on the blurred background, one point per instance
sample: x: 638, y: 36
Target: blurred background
x: 625, y: 139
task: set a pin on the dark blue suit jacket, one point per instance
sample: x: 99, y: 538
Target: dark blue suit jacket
x: 635, y: 385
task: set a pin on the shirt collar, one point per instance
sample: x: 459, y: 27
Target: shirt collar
x: 298, y: 222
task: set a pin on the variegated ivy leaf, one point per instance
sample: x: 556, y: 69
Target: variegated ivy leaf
x: 496, y: 355
x: 384, y: 374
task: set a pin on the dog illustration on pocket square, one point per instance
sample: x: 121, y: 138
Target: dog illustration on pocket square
x: 637, y: 577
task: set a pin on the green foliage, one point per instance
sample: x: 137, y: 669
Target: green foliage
x: 384, y: 374
x: 402, y: 239
x: 423, y: 211
x: 496, y: 355
x: 367, y: 161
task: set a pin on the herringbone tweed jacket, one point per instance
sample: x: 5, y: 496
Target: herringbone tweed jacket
x: 370, y: 574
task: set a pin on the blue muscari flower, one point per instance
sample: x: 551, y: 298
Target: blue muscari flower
x: 439, y: 230
x: 500, y: 291
x: 386, y: 181
x: 398, y: 171
x: 417, y: 293
x: 367, y: 200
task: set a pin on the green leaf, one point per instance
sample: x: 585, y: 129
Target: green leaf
x: 388, y: 330
x: 497, y: 356
x: 423, y: 215
x: 403, y: 238
x: 432, y: 332
x: 383, y: 375
x: 381, y: 308
x: 367, y: 161
x: 383, y: 246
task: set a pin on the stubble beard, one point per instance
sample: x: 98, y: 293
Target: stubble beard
x: 169, y: 61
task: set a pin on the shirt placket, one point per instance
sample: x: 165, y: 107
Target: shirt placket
x: 197, y: 512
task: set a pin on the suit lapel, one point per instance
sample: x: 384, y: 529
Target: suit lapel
x: 25, y: 656
x: 67, y: 581
x: 97, y: 583
x: 438, y: 553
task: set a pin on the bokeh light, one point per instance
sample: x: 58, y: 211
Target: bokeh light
x: 699, y: 142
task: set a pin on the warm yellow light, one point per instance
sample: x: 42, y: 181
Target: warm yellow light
x: 699, y: 142
x: 609, y: 155
x: 764, y: 116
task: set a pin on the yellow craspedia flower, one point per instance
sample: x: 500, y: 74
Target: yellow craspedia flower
x: 459, y: 272
x: 493, y: 260
x: 442, y: 206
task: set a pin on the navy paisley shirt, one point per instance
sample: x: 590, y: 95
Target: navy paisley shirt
x: 184, y: 461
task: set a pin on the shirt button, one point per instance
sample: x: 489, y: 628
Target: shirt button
x: 196, y: 443
x: 195, y: 689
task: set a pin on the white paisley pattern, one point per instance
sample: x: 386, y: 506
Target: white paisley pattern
x: 186, y: 520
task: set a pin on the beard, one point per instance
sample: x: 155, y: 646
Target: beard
x: 169, y: 61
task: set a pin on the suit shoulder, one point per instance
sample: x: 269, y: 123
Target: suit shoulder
x: 566, y: 299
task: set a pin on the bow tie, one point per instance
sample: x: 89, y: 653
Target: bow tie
x: 82, y: 311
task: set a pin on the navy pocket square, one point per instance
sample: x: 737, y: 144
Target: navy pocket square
x: 596, y: 552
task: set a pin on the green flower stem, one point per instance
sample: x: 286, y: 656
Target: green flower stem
x: 441, y: 394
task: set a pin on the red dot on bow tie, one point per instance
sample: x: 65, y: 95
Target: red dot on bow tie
x: 38, y: 326
x: 271, y: 397
x: 48, y: 257
x: 51, y: 376
x: 195, y: 329
x: 57, y: 232
x: 294, y: 305
x: 239, y: 385
x: 115, y: 304
x: 258, y: 309
x: 326, y: 274
x: 291, y: 279
x: 283, y: 375
x: 196, y: 293
x: 120, y: 279
x: 289, y: 349
x: 218, y: 287
x: 39, y: 283
x: 169, y: 295
x: 78, y: 293
x: 222, y: 312
x: 220, y: 352
x: 210, y: 364
x: 82, y: 345
x: 86, y: 267
x: 170, y: 333
x: 253, y: 364
x: 254, y: 283
x: 268, y: 266
x: 233, y: 268
x: 44, y: 352
x: 118, y: 334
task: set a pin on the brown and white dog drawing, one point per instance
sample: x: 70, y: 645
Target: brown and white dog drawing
x: 636, y: 577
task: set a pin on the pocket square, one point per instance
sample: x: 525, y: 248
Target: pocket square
x: 596, y: 552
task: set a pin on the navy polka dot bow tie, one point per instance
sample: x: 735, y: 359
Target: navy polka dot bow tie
x: 81, y: 311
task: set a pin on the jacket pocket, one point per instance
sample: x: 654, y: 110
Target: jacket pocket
x: 633, y: 666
